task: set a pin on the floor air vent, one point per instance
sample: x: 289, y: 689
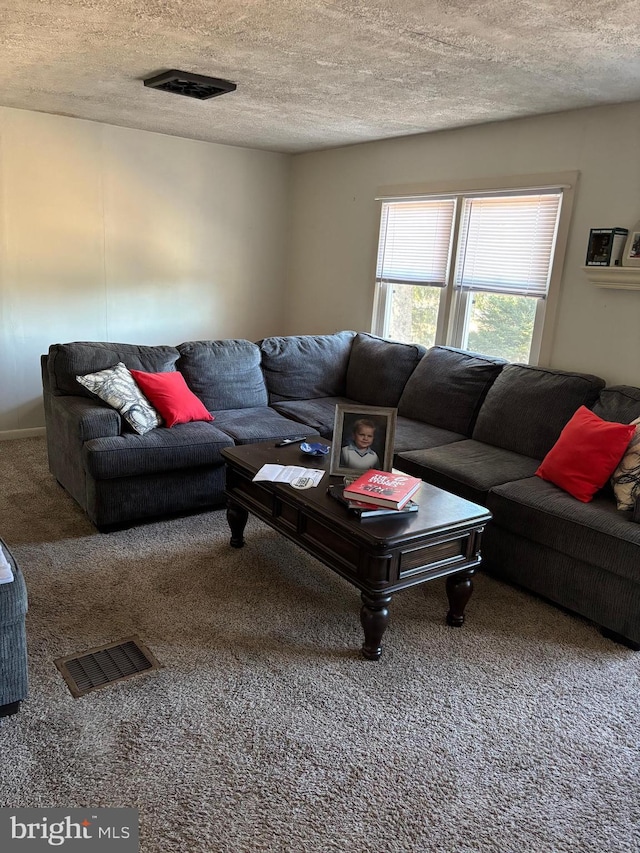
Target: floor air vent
x: 192, y: 85
x: 105, y: 665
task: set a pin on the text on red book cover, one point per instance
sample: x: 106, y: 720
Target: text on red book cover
x: 383, y: 480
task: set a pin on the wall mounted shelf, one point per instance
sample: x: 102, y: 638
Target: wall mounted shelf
x: 615, y: 278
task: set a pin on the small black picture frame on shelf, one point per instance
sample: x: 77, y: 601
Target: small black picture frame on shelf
x: 606, y: 246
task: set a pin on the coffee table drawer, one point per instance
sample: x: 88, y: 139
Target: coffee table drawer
x: 256, y: 497
x: 435, y: 557
x: 326, y: 544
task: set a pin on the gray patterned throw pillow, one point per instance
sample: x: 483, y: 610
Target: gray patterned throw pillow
x: 117, y: 387
x: 626, y: 478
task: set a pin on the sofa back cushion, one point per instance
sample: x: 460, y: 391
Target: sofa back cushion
x: 306, y: 367
x: 379, y: 369
x: 448, y: 387
x: 619, y: 403
x: 66, y: 361
x: 225, y: 374
x: 527, y: 407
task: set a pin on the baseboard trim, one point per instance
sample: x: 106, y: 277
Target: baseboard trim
x: 10, y: 434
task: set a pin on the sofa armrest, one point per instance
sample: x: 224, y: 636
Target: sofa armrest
x: 635, y: 515
x: 70, y: 422
x: 13, y: 639
x: 86, y: 418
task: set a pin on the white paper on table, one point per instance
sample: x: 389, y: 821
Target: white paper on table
x: 288, y: 473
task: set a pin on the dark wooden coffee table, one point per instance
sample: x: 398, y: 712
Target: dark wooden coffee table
x: 379, y: 555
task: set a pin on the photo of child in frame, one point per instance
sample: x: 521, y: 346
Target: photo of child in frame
x: 358, y: 452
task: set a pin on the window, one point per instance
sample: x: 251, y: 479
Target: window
x: 413, y: 265
x: 471, y: 269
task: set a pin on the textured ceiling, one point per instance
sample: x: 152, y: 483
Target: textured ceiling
x: 314, y: 75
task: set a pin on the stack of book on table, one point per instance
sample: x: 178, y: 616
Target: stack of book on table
x: 377, y: 493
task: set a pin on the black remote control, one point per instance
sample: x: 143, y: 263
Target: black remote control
x: 286, y: 441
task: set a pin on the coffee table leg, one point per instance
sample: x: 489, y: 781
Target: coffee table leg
x: 237, y: 518
x: 459, y: 589
x: 374, y: 618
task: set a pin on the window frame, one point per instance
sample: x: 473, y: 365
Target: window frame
x: 450, y: 310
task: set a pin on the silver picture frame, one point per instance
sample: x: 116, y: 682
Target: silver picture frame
x: 347, y: 417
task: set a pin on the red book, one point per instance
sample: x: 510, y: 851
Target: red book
x: 383, y: 488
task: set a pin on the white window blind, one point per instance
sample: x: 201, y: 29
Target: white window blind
x: 415, y: 237
x: 507, y: 242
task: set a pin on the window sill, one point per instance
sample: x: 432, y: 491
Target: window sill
x: 615, y: 278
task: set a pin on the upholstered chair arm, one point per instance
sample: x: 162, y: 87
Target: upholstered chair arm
x: 87, y: 418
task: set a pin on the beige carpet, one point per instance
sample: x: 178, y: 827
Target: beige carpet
x: 266, y: 731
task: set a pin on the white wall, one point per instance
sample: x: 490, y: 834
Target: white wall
x: 335, y: 222
x: 114, y: 234
x: 118, y: 235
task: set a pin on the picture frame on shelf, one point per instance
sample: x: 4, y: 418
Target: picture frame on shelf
x: 363, y: 438
x: 606, y: 246
x: 631, y: 254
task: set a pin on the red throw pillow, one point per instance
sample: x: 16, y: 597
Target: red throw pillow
x: 169, y: 394
x: 585, y: 454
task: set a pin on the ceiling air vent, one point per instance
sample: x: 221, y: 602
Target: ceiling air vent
x: 191, y: 85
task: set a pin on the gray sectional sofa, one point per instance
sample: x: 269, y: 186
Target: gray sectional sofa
x: 475, y: 425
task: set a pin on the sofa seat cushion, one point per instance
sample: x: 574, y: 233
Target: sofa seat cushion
x: 596, y: 533
x: 448, y: 387
x: 303, y: 367
x: 526, y: 407
x: 245, y: 426
x: 66, y: 361
x: 379, y: 369
x: 183, y: 446
x: 224, y: 374
x: 412, y: 434
x: 319, y: 414
x: 467, y: 468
